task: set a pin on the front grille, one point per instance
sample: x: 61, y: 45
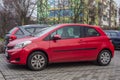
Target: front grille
x: 10, y: 47
x: 118, y: 40
x: 8, y: 57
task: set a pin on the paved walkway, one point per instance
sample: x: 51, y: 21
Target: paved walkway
x: 62, y: 71
x: 1, y: 46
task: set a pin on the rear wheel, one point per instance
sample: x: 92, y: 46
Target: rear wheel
x: 104, y: 57
x: 37, y: 61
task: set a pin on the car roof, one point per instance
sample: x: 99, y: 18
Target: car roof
x: 35, y: 25
x: 78, y: 24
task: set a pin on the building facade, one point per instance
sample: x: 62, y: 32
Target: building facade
x: 108, y: 13
x: 94, y: 12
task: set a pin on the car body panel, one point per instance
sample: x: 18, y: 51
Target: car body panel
x: 62, y: 50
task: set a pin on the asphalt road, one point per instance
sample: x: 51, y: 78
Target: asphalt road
x: 62, y: 71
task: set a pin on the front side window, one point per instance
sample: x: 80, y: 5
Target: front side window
x: 68, y: 32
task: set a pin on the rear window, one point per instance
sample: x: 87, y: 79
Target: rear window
x: 113, y: 34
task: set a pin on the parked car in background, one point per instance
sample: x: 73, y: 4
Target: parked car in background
x: 61, y: 43
x: 114, y: 36
x: 23, y: 31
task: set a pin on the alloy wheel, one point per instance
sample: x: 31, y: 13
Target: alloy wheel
x: 104, y: 57
x: 38, y: 61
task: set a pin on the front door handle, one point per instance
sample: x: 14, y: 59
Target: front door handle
x: 80, y: 41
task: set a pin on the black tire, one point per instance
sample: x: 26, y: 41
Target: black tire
x: 104, y: 58
x: 37, y: 61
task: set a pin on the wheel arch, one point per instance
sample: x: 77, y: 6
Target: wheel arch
x: 40, y: 51
x: 105, y: 49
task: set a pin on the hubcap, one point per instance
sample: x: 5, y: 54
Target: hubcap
x: 38, y: 61
x: 105, y: 57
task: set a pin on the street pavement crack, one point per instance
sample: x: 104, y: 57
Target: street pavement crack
x: 2, y: 75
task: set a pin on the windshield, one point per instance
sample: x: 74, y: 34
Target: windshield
x: 45, y: 31
x: 33, y: 34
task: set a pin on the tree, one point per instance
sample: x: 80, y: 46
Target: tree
x: 6, y: 19
x: 15, y: 12
x: 24, y: 9
x: 77, y: 9
x: 42, y: 11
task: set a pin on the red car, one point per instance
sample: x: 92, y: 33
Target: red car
x: 62, y: 43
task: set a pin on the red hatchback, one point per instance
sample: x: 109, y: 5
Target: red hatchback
x: 62, y: 43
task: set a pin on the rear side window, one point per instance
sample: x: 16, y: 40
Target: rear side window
x: 19, y: 32
x: 91, y: 32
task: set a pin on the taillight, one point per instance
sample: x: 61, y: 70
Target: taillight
x: 12, y: 37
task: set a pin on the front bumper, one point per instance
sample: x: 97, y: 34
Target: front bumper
x: 16, y: 56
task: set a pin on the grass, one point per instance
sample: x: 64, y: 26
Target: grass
x: 1, y: 39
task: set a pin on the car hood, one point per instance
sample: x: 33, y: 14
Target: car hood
x: 12, y: 43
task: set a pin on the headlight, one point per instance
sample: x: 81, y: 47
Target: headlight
x: 22, y: 44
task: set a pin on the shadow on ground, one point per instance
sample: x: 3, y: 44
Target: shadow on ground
x: 53, y: 65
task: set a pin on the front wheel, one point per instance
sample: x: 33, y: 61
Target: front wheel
x: 104, y: 57
x: 37, y: 61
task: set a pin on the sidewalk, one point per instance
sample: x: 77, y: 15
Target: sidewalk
x: 1, y: 76
x: 62, y: 71
x: 1, y: 46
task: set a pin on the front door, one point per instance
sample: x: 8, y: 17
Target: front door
x: 69, y: 47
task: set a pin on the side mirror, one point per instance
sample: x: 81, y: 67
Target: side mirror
x: 56, y: 37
